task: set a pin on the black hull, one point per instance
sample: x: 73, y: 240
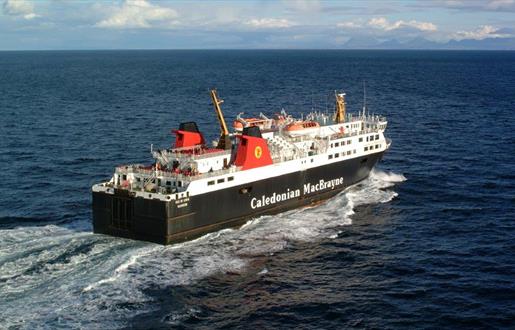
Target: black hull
x: 174, y: 221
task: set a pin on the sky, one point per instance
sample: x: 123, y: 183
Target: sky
x: 256, y: 24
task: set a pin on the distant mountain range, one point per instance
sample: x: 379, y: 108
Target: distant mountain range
x: 422, y: 43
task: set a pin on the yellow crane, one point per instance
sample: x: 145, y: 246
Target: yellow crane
x: 224, y: 142
x: 340, y: 107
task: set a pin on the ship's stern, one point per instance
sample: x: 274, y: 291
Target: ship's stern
x: 117, y: 213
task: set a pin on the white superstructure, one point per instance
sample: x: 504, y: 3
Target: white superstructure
x: 179, y: 173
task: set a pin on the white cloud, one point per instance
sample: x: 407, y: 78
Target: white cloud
x: 19, y: 8
x: 268, y: 23
x: 138, y: 14
x: 482, y: 32
x: 348, y: 25
x: 383, y: 24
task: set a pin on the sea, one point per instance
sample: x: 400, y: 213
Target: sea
x: 426, y: 242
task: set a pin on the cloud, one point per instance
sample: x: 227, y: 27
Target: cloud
x: 383, y: 24
x: 269, y: 23
x: 482, y: 32
x: 19, y: 8
x: 349, y: 25
x: 138, y: 14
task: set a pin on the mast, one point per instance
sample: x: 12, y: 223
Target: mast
x: 224, y: 142
x: 340, y: 107
x: 364, y: 99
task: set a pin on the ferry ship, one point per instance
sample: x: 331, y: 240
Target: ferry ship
x: 266, y: 165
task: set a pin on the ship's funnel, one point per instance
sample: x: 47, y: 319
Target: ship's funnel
x: 253, y: 150
x: 188, y: 135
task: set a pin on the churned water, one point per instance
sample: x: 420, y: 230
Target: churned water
x: 427, y: 241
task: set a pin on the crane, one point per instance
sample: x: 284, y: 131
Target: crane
x: 224, y: 142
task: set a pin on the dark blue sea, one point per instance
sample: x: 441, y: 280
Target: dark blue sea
x: 426, y: 242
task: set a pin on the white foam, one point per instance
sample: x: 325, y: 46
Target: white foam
x: 120, y: 269
x: 86, y: 289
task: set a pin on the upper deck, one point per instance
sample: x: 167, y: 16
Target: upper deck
x: 199, y: 162
x: 284, y: 140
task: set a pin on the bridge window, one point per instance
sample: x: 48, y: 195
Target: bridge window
x: 210, y: 183
x: 337, y: 144
x: 330, y: 156
x: 336, y: 155
x: 220, y: 181
x: 377, y: 136
x: 230, y: 178
x: 360, y: 139
x: 366, y: 148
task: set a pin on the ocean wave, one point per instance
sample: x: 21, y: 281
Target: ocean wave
x: 67, y: 275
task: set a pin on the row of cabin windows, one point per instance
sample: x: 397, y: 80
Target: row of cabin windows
x: 222, y: 180
x: 372, y: 147
x: 370, y: 138
x: 304, y: 161
x: 348, y: 153
x: 168, y: 183
x: 337, y: 144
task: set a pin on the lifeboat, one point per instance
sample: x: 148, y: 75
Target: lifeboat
x: 299, y: 128
x: 241, y: 123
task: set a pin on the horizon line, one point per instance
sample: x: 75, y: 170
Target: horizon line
x: 256, y: 49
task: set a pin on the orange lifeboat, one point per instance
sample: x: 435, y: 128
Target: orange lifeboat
x: 238, y: 125
x: 306, y: 127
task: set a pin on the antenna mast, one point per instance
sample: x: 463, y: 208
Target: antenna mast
x: 364, y: 99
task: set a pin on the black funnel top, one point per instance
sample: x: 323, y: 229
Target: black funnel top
x: 190, y: 126
x: 252, y: 131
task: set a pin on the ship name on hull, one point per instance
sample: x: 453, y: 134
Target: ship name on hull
x: 309, y: 188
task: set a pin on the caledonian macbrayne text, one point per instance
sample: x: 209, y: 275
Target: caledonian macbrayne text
x: 308, y: 188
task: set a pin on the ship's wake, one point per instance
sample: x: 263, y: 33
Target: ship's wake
x: 66, y: 276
